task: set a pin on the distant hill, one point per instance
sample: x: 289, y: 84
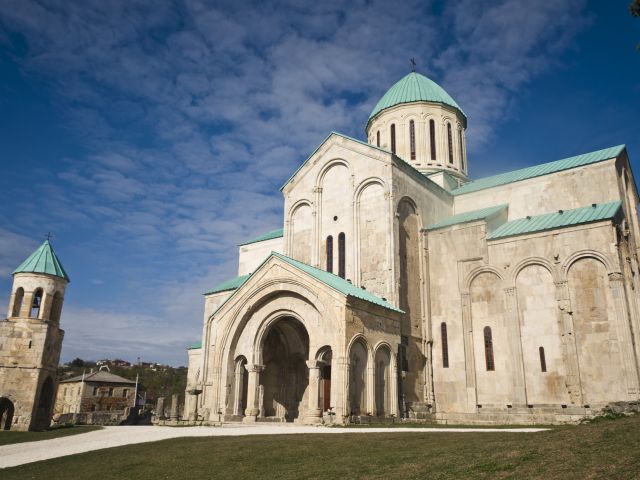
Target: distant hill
x: 155, y: 379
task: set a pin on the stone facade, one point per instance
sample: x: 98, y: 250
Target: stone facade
x: 536, y: 326
x: 99, y: 391
x: 30, y: 344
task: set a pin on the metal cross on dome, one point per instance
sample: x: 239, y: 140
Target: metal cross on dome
x: 413, y: 64
x: 48, y: 236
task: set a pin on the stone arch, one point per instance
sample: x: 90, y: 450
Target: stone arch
x: 478, y: 271
x: 543, y: 262
x: 597, y: 343
x: 328, y: 166
x: 241, y: 385
x: 371, y: 249
x: 7, y: 410
x: 495, y: 384
x: 587, y: 253
x: 301, y: 228
x: 37, y: 297
x: 284, y: 351
x: 540, y: 327
x: 383, y: 378
x: 324, y: 358
x: 359, y: 361
x: 18, y: 298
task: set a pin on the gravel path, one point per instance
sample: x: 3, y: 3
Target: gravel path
x: 21, y: 453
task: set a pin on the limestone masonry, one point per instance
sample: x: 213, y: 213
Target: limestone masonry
x: 400, y: 288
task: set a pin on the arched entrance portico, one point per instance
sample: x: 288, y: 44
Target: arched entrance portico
x: 6, y: 413
x: 285, y: 377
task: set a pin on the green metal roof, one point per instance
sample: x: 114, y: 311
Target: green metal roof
x: 467, y: 217
x: 337, y: 283
x: 265, y: 236
x: 361, y: 142
x: 43, y: 260
x: 195, y: 346
x: 539, y: 170
x: 559, y: 219
x: 230, y: 284
x: 414, y: 88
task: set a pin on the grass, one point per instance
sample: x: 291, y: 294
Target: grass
x: 604, y: 449
x: 7, y: 437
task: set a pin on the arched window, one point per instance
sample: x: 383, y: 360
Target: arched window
x: 445, y: 345
x: 488, y: 349
x: 450, y: 142
x: 461, y: 149
x: 393, y: 138
x: 329, y: 253
x: 543, y: 361
x: 378, y: 138
x: 36, y: 304
x: 341, y: 255
x: 432, y: 138
x: 17, y: 302
x: 412, y: 139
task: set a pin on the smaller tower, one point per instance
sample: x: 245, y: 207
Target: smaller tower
x: 30, y: 342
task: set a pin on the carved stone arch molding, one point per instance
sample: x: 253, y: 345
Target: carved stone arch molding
x: 466, y: 286
x: 515, y: 270
x: 267, y: 323
x: 359, y: 337
x: 367, y: 182
x: 328, y: 166
x: 587, y: 253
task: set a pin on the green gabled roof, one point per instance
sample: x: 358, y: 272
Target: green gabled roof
x: 195, y: 346
x: 361, y: 142
x: 265, y: 236
x: 467, y: 217
x: 560, y: 219
x: 539, y: 170
x: 43, y: 260
x: 414, y: 88
x: 337, y: 283
x: 230, y: 284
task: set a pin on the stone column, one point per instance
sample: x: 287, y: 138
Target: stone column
x: 160, y: 408
x: 370, y: 388
x: 469, y: 359
x: 174, y: 416
x: 623, y: 333
x: 314, y: 414
x: 393, y: 387
x: 515, y: 344
x: 237, y: 394
x: 253, y: 409
x: 570, y: 350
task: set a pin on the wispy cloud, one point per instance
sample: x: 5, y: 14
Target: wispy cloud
x: 195, y: 112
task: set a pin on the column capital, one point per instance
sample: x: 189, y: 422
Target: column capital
x: 616, y: 277
x: 254, y: 368
x: 313, y: 364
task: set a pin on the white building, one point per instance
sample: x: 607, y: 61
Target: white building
x: 399, y: 287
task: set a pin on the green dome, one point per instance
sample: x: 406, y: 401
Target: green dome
x: 414, y: 88
x: 43, y: 260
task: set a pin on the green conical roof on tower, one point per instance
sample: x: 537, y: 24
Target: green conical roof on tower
x: 43, y: 260
x: 414, y: 88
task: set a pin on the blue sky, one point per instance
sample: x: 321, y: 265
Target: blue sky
x: 152, y: 137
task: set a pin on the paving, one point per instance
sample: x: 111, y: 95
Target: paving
x: 27, y: 452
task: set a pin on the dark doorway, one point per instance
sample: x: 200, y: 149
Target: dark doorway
x: 6, y: 413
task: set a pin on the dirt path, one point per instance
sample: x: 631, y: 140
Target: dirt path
x: 21, y: 453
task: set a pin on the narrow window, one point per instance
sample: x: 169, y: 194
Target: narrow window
x: 450, y: 142
x: 461, y: 149
x: 95, y: 391
x: 393, y: 138
x: 378, y: 138
x: 412, y: 139
x: 17, y: 302
x: 35, y: 305
x: 488, y: 349
x: 543, y: 361
x: 65, y: 391
x: 341, y: 256
x: 445, y: 345
x: 329, y: 253
x: 30, y: 343
x: 111, y: 392
x: 432, y: 138
x: 125, y: 392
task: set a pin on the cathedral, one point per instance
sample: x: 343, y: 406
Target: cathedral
x: 400, y: 288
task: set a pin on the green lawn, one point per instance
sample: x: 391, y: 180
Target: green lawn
x: 605, y: 449
x: 7, y: 437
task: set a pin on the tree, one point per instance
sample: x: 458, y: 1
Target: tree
x: 77, y: 362
x: 634, y: 10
